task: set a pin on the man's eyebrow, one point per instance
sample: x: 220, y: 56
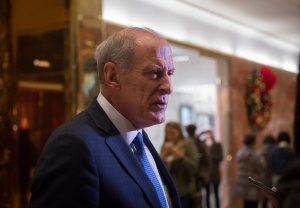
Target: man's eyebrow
x: 172, y: 69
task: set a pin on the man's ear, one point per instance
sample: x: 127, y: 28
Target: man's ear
x: 111, y: 75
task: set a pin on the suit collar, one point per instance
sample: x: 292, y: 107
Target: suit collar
x: 101, y: 119
x: 119, y: 121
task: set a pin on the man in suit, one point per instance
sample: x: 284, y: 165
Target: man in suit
x: 90, y: 161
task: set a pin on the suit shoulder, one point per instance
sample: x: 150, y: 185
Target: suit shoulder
x: 80, y: 127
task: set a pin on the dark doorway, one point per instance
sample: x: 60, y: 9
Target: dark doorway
x: 39, y: 113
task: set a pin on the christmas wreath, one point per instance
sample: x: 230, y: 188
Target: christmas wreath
x: 258, y: 96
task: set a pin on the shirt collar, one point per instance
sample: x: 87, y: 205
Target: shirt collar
x: 126, y: 129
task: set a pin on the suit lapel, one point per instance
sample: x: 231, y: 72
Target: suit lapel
x: 129, y: 162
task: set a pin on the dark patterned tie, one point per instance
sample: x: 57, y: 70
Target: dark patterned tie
x: 141, y: 153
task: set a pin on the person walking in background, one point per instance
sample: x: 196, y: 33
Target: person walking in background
x: 281, y: 156
x: 264, y: 154
x: 248, y: 164
x: 180, y: 156
x: 103, y: 157
x: 211, y: 174
x: 202, y: 162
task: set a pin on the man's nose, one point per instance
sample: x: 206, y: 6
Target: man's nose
x: 166, y: 86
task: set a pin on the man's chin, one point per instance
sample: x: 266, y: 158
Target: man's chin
x: 152, y: 121
x: 160, y: 118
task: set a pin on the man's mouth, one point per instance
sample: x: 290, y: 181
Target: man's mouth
x: 161, y: 104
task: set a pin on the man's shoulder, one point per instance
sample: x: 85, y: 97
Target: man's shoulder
x: 76, y: 123
x: 80, y: 126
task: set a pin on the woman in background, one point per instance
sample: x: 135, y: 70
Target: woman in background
x: 180, y: 156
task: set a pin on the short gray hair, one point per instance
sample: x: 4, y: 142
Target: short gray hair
x: 119, y: 49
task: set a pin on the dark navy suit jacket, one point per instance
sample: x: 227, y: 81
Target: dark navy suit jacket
x: 87, y: 164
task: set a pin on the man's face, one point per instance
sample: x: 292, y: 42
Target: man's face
x: 146, y: 85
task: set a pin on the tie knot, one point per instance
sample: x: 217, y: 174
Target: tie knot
x: 139, y: 137
x: 139, y: 143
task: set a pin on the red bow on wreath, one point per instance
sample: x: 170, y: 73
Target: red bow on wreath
x: 268, y: 78
x: 258, y: 97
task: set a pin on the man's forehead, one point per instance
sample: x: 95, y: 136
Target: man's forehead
x: 154, y: 44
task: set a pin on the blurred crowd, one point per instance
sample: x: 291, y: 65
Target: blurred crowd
x: 193, y: 161
x: 194, y: 158
x: 265, y: 164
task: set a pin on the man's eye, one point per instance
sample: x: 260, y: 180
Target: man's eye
x: 171, y: 72
x: 155, y: 74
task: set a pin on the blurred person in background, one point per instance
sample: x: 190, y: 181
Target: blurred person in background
x: 211, y: 174
x: 264, y: 154
x: 202, y: 162
x: 180, y: 156
x: 281, y: 156
x: 248, y: 164
x: 288, y: 186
